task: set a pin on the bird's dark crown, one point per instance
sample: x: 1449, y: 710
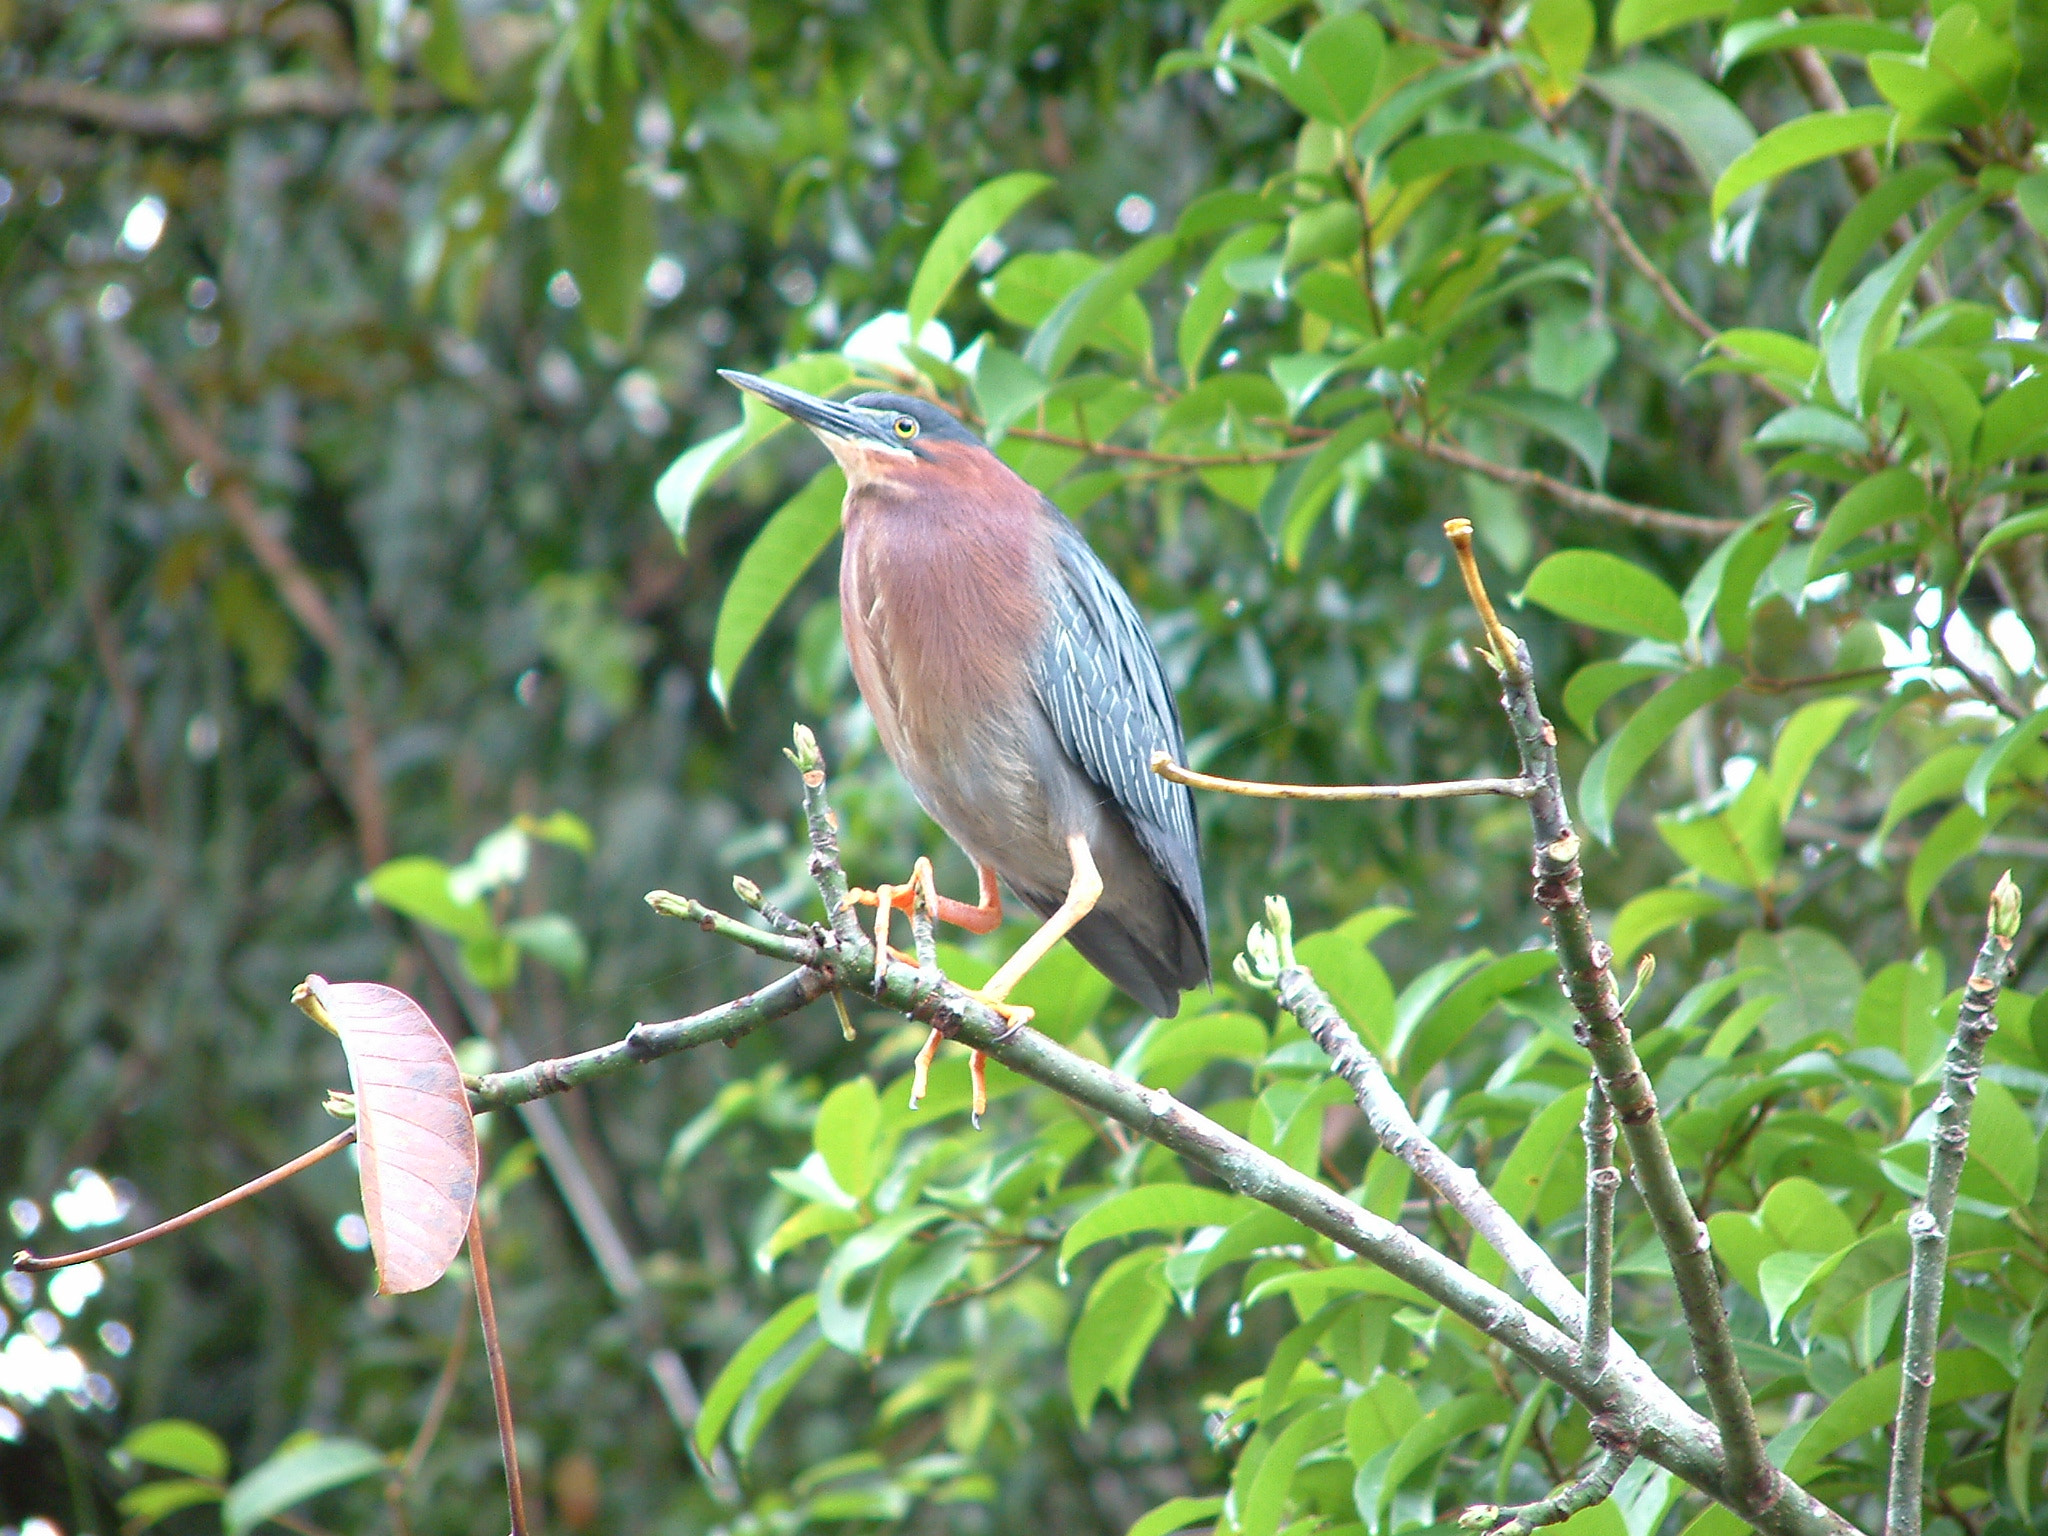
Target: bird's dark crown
x: 933, y: 421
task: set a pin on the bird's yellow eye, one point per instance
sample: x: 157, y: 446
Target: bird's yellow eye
x: 906, y: 427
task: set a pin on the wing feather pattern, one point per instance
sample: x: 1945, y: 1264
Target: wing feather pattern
x: 1100, y: 681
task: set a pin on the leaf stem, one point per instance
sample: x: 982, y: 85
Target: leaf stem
x: 29, y: 1263
x: 501, y: 1389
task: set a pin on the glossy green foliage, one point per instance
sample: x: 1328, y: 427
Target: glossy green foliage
x: 1259, y: 294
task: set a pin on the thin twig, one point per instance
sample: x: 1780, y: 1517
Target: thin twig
x: 201, y: 115
x: 501, y: 1388
x: 1947, y: 1151
x: 430, y: 1422
x: 1167, y: 768
x: 1177, y: 460
x: 295, y: 585
x: 1636, y: 257
x: 27, y: 1261
x: 1594, y: 1486
x: 1603, y: 1180
x: 1587, y: 966
x: 1593, y: 503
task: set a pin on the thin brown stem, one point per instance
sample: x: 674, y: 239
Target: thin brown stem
x: 1593, y: 503
x: 501, y: 1389
x: 1176, y: 460
x: 202, y: 115
x: 27, y: 1261
x: 1451, y: 789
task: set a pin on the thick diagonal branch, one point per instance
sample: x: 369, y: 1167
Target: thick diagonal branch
x: 842, y: 958
x: 1947, y: 1152
x: 1586, y: 963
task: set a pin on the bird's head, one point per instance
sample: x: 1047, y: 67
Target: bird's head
x: 878, y: 438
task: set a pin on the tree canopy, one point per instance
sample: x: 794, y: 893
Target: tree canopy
x: 392, y: 591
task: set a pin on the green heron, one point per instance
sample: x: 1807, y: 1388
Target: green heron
x: 1014, y: 685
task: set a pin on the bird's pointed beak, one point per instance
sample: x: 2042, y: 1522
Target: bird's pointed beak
x: 828, y: 418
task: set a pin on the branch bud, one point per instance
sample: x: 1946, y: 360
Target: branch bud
x: 1280, y: 923
x: 2004, y: 920
x: 669, y: 904
x: 747, y: 891
x: 1479, y: 1517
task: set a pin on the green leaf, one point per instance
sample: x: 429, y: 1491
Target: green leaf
x: 1122, y: 1314
x: 1734, y: 839
x: 1801, y: 740
x: 1577, y: 426
x: 1559, y: 33
x: 1866, y: 224
x: 775, y: 1382
x: 445, y: 56
x: 1176, y: 1515
x: 1866, y: 322
x: 1782, y: 1279
x: 1935, y: 778
x: 1889, y: 496
x: 1072, y: 324
x: 1948, y: 843
x: 143, y: 1507
x: 851, y: 1313
x: 1871, y: 1402
x: 301, y: 1468
x: 1405, y: 107
x: 1440, y: 1427
x: 1202, y: 317
x: 1150, y: 1208
x: 565, y: 829
x: 677, y: 491
x: 553, y: 940
x: 1449, y: 1020
x: 1896, y: 1011
x: 1814, y: 979
x: 176, y: 1445
x: 1961, y: 78
x: 1434, y: 154
x: 2015, y: 422
x: 1655, y: 912
x: 1834, y: 34
x: 1706, y: 124
x: 1614, y: 767
x: 418, y: 887
x: 1804, y: 140
x: 1333, y: 70
x: 2003, y: 1144
x: 1597, y: 682
x: 1993, y: 763
x: 1636, y: 21
x: 979, y: 215
x: 604, y: 227
x: 1943, y: 409
x: 2020, y: 526
x: 1354, y: 978
x: 746, y: 1363
x: 1603, y: 591
x: 1262, y: 1497
x: 787, y: 546
x: 1750, y: 553
x: 1549, y: 1147
x: 2023, y: 1417
x: 846, y: 1134
x: 1006, y: 388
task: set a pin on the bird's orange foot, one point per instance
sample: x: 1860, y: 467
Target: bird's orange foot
x: 1015, y: 1015
x: 890, y: 899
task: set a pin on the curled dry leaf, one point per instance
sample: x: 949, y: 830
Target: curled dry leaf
x: 416, y: 1140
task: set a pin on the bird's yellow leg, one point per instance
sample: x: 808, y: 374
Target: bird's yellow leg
x: 1082, y: 894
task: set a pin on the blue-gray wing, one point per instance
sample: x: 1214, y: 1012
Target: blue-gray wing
x: 1101, y: 683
